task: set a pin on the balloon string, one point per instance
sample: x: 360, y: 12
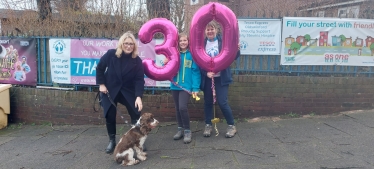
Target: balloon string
x: 213, y: 91
x: 214, y: 107
x: 176, y: 84
x: 189, y: 92
x: 215, y: 127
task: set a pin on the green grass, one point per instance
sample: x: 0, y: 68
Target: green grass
x: 312, y: 114
x: 290, y: 115
x: 293, y: 115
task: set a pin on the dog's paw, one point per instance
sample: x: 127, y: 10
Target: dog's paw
x: 131, y: 162
x: 141, y: 157
x: 143, y: 153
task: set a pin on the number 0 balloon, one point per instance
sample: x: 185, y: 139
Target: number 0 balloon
x: 230, y: 39
x: 167, y: 48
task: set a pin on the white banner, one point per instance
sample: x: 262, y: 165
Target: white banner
x: 194, y: 2
x: 327, y: 41
x: 260, y: 36
x: 59, y: 52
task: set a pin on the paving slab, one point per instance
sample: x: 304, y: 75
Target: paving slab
x: 340, y: 141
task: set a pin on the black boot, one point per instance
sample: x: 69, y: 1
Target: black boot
x: 111, y: 128
x: 112, y: 144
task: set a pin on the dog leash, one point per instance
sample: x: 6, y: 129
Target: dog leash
x: 96, y: 98
x: 189, y: 92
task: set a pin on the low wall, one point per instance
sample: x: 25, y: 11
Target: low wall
x: 249, y: 96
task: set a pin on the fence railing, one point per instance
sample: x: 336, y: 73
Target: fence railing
x: 270, y: 65
x: 244, y: 65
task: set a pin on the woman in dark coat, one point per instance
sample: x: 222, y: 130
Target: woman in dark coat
x: 222, y: 79
x: 120, y: 75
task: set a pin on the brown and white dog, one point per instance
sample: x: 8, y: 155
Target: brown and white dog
x: 133, y: 140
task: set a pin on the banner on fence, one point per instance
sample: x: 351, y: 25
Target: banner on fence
x: 74, y: 61
x: 260, y: 36
x: 18, y: 61
x: 327, y: 41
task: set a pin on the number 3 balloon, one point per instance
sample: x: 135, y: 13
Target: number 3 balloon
x: 167, y: 48
x: 230, y: 40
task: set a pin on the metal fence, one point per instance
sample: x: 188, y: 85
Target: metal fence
x: 244, y: 65
x: 269, y: 65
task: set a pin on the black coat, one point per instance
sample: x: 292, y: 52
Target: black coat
x: 120, y: 75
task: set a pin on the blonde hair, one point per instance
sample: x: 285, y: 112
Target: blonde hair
x: 188, y: 39
x: 126, y: 35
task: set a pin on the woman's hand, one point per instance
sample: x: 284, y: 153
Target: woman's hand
x: 138, y: 103
x: 210, y: 74
x: 103, y: 89
x: 166, y: 60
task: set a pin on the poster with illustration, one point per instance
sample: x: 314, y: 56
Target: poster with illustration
x: 327, y: 41
x: 74, y: 61
x: 18, y: 61
x: 260, y: 36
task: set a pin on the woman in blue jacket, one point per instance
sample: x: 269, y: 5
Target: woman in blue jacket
x: 222, y: 79
x: 120, y: 75
x: 187, y: 83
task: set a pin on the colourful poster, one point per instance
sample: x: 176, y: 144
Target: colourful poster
x: 74, y: 61
x: 18, y: 61
x: 327, y: 41
x: 260, y: 36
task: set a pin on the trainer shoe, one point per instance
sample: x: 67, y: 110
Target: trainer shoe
x: 231, y: 131
x: 208, y: 130
x: 179, y: 134
x: 187, y: 136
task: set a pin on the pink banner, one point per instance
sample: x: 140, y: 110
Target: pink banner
x: 78, y: 64
x: 18, y: 61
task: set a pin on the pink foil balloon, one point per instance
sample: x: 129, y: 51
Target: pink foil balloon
x: 167, y: 48
x: 230, y: 39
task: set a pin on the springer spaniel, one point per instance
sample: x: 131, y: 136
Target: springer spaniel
x: 134, y: 140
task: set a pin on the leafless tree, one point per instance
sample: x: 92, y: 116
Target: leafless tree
x: 45, y: 9
x: 87, y: 18
x: 73, y: 5
x: 158, y: 9
x: 177, y: 14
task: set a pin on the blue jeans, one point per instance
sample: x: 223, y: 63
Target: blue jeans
x: 221, y: 99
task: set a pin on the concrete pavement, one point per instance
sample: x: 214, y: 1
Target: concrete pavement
x: 343, y: 141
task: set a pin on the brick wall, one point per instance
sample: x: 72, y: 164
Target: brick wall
x: 249, y: 96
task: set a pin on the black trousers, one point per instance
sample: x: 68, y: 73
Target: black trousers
x: 181, y: 99
x: 112, y: 113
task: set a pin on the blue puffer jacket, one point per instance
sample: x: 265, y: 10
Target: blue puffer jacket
x: 188, y: 76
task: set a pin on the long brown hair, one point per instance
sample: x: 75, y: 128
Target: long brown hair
x: 188, y: 39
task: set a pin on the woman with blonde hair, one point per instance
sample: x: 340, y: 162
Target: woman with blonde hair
x: 120, y: 77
